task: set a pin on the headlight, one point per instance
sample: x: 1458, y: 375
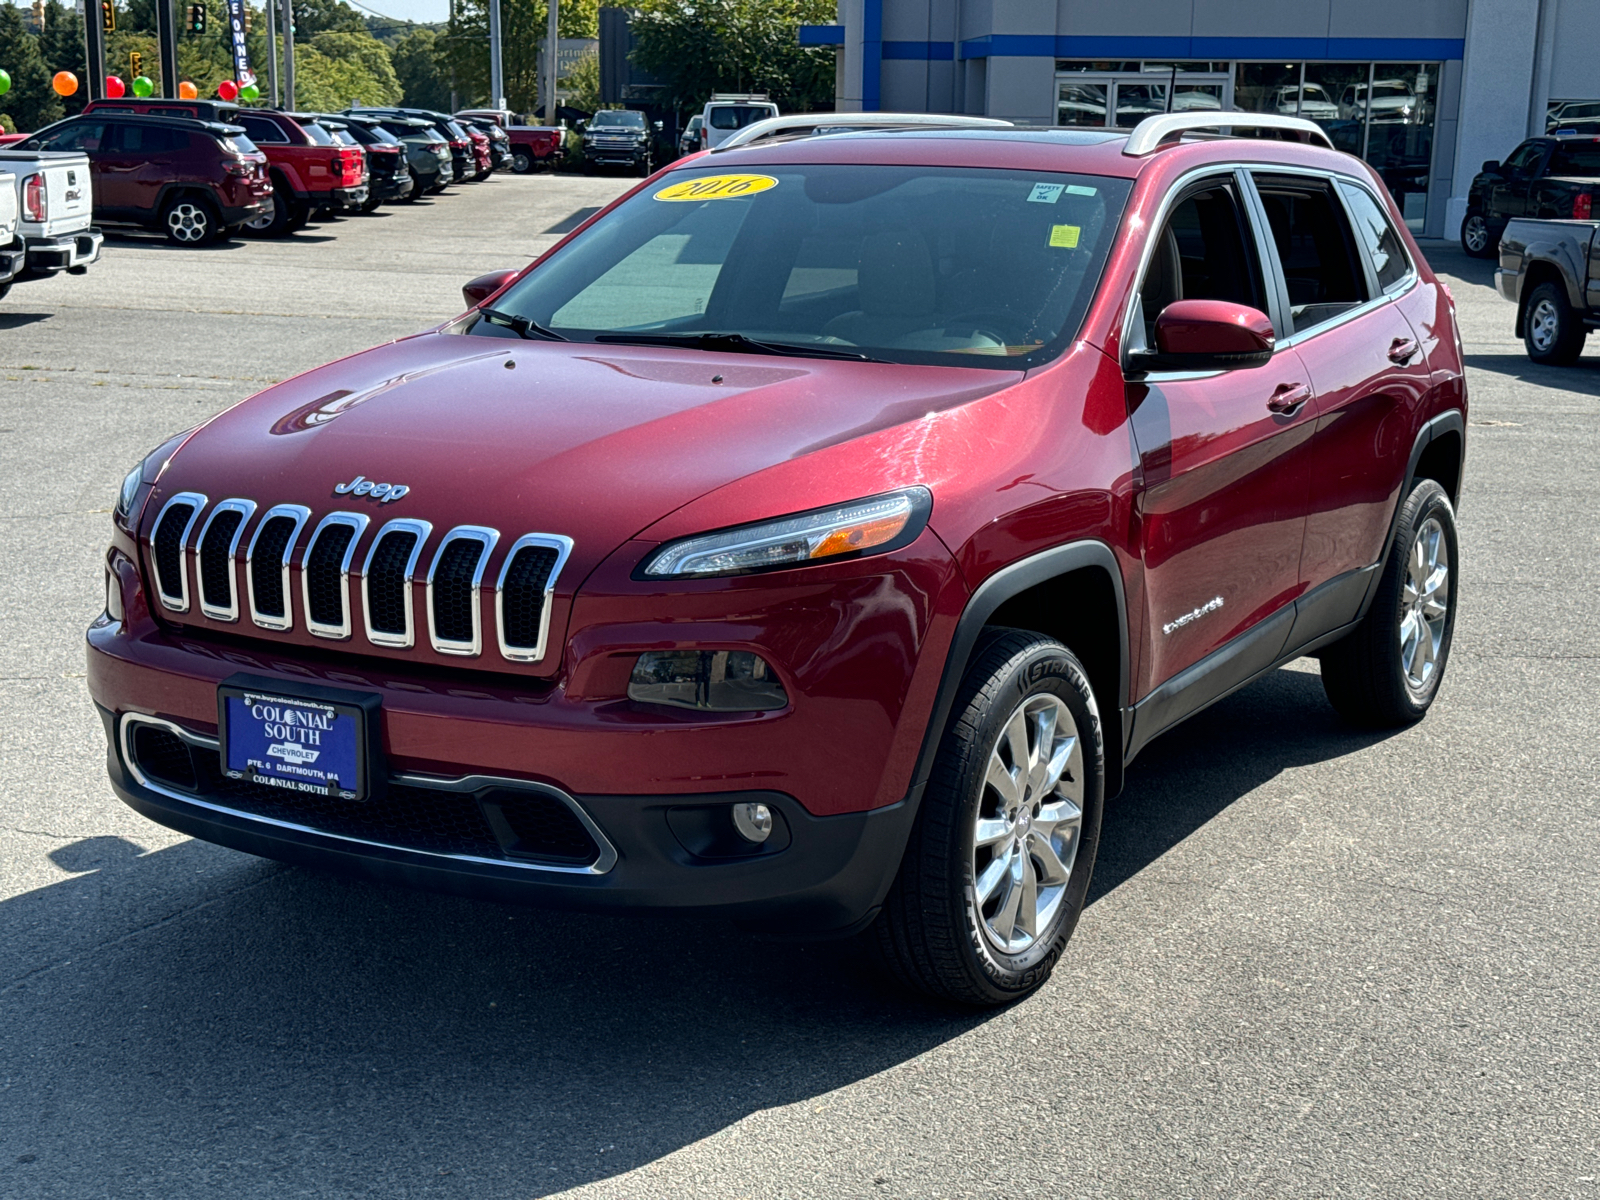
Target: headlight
x: 130, y: 489
x: 144, y: 474
x: 865, y: 526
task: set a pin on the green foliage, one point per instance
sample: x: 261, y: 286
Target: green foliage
x: 522, y: 32
x: 30, y: 104
x: 340, y: 68
x: 417, y: 66
x: 582, y: 83
x: 61, y: 48
x: 312, y: 17
x: 696, y: 47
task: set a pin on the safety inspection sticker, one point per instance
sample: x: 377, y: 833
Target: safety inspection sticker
x: 1064, y: 237
x: 717, y: 187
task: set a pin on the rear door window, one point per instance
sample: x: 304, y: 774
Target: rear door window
x: 1315, y: 249
x: 737, y: 116
x: 1576, y: 158
x: 1384, y: 249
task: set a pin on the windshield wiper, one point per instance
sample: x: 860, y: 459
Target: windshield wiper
x: 736, y: 342
x: 520, y: 326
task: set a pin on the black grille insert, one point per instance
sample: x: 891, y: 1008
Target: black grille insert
x: 387, y: 582
x: 324, y: 582
x: 497, y: 823
x: 216, y: 564
x: 168, y: 545
x: 522, y: 596
x: 452, y: 590
x: 266, y: 566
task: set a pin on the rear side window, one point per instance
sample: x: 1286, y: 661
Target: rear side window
x: 148, y: 139
x: 1582, y: 159
x: 1315, y: 249
x: 1204, y: 252
x: 262, y: 131
x: 1389, y: 261
x: 319, y: 135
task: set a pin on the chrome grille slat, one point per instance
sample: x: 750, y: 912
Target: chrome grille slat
x: 454, y: 583
x: 266, y: 565
x: 523, y: 593
x: 169, y: 543
x: 215, y: 551
x: 392, y: 564
x: 325, y: 573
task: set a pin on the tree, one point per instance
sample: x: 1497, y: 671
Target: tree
x: 522, y: 34
x: 31, y: 104
x: 696, y: 47
x: 61, y: 48
x: 312, y: 17
x: 337, y: 69
x: 417, y: 66
x: 581, y: 85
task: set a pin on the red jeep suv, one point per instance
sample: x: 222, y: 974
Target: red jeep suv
x: 813, y: 536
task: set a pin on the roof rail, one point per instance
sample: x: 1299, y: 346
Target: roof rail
x: 799, y: 125
x: 1152, y: 132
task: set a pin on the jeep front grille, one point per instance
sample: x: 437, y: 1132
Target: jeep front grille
x: 273, y: 544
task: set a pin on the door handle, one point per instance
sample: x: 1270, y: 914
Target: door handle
x: 1288, y: 398
x: 1402, y: 350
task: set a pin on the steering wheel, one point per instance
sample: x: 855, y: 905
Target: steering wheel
x: 979, y: 320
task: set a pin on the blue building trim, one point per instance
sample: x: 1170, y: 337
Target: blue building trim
x: 822, y: 35
x: 1029, y: 45
x: 871, y: 55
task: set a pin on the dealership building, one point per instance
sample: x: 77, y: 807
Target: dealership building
x: 1424, y: 90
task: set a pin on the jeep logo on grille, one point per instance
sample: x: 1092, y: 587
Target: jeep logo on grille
x: 384, y: 493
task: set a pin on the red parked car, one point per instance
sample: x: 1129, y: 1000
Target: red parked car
x: 309, y: 171
x: 813, y: 536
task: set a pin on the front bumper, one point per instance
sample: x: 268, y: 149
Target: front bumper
x: 815, y: 875
x: 64, y: 252
x: 614, y: 155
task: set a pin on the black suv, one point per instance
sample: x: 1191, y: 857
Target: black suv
x: 195, y: 180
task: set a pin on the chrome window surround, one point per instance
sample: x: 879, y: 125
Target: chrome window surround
x: 182, y: 603
x: 398, y: 641
x: 466, y: 783
x: 563, y: 547
x: 357, y: 523
x: 300, y: 514
x: 1240, y: 172
x: 245, y: 509
x: 487, y: 538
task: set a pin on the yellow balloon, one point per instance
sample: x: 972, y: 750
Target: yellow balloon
x: 65, y: 83
x: 187, y: 91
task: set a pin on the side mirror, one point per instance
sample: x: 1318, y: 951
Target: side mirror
x: 484, y: 286
x: 1209, y: 335
x: 659, y: 126
x: 1491, y: 165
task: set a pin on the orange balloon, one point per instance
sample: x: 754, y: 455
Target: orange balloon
x: 187, y: 91
x: 65, y: 83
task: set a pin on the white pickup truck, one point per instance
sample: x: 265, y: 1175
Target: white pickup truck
x: 54, y: 206
x: 12, y: 255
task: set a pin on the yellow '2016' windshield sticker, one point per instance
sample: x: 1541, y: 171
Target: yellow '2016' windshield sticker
x: 717, y: 187
x: 1064, y: 237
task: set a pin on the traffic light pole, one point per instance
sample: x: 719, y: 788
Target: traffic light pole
x: 167, y: 32
x: 95, y: 27
x: 272, y: 53
x: 497, y: 85
x: 288, y: 53
x: 553, y: 46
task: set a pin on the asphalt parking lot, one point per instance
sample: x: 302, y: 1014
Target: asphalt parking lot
x: 1316, y: 962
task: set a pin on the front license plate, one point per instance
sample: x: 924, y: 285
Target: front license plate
x: 296, y: 743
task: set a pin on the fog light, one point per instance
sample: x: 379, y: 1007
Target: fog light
x: 753, y: 821
x: 711, y: 680
x: 114, y: 597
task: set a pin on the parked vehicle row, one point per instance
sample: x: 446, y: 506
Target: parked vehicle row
x: 46, y: 215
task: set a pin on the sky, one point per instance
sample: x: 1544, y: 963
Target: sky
x: 401, y: 10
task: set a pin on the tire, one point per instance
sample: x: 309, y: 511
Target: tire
x: 521, y: 162
x: 276, y: 221
x: 1386, y: 672
x: 370, y: 205
x: 188, y: 220
x: 1551, y: 331
x: 1477, y: 239
x: 299, y: 215
x: 953, y: 925
x: 643, y: 168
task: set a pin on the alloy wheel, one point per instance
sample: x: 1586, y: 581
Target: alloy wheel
x: 265, y: 220
x: 1424, y: 605
x: 1030, y: 818
x: 188, y: 222
x: 521, y: 164
x: 1544, y: 326
x: 1476, y: 233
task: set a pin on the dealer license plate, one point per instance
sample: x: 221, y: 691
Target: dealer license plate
x: 293, y: 742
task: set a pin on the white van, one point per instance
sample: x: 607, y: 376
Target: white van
x: 728, y: 112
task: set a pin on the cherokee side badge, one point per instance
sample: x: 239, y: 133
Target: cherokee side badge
x: 383, y: 493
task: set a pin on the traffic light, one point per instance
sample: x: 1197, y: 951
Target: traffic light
x: 197, y: 18
x: 108, y: 16
x: 135, y: 64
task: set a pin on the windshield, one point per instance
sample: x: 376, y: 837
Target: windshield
x: 737, y: 116
x: 318, y: 134
x: 617, y: 119
x: 911, y: 264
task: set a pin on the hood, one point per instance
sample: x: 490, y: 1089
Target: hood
x: 592, y: 442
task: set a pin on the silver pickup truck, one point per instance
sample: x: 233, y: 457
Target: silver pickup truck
x: 1551, y: 271
x: 55, y: 210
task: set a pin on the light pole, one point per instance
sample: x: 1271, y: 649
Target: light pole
x: 553, y: 46
x: 497, y: 81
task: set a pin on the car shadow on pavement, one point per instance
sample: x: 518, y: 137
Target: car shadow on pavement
x: 196, y: 1022
x: 1582, y: 376
x: 16, y: 320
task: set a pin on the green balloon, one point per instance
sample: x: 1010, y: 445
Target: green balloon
x: 249, y: 92
x: 142, y: 86
x: 5, y: 83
